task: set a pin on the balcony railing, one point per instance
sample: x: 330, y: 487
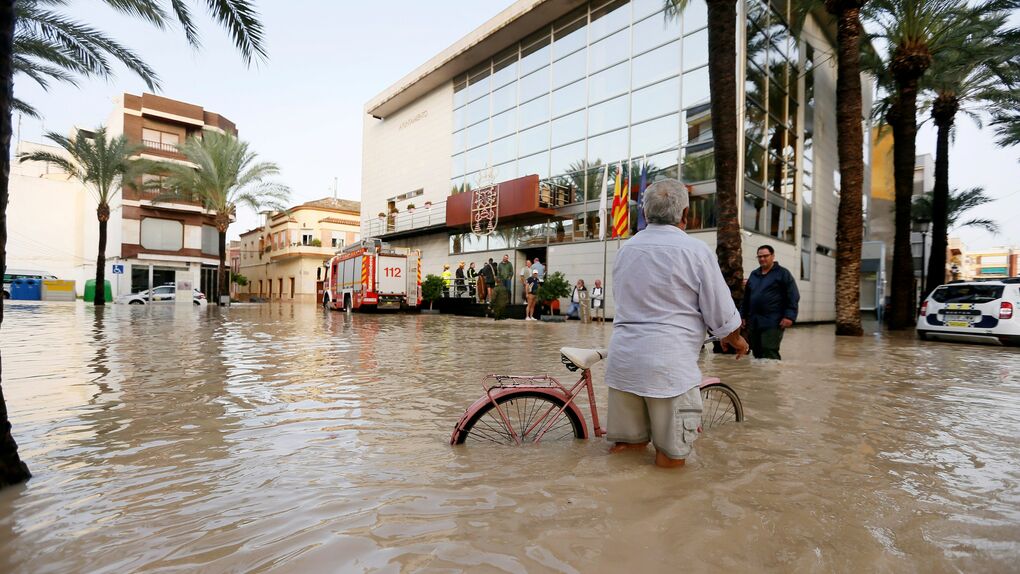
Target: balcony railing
x: 404, y: 221
x: 171, y: 148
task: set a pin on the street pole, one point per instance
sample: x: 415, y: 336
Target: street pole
x: 924, y: 241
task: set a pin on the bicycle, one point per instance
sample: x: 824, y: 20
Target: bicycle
x: 521, y: 409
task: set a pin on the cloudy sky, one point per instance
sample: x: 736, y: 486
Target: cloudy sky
x: 303, y: 108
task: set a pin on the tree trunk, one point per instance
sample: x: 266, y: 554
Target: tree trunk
x: 224, y: 273
x: 944, y: 113
x: 12, y: 469
x: 850, y: 219
x: 722, y: 84
x: 103, y: 214
x: 903, y: 119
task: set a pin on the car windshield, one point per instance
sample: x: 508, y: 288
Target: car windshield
x: 967, y: 293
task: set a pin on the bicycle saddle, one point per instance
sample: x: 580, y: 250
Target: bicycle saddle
x: 583, y: 358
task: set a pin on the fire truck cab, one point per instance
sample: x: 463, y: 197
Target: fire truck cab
x: 372, y: 275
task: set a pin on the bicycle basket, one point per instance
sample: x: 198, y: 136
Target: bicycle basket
x: 568, y: 363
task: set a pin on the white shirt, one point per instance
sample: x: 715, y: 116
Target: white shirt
x: 669, y: 291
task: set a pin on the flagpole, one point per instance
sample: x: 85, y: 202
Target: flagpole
x: 605, y: 244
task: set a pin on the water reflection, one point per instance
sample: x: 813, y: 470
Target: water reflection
x: 282, y: 437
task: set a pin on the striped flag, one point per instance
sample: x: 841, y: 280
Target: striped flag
x: 602, y: 204
x: 640, y: 197
x: 621, y: 205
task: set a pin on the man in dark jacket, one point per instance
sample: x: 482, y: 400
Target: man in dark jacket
x: 488, y: 275
x: 770, y: 304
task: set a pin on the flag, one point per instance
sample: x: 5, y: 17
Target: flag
x: 602, y: 204
x: 621, y: 207
x: 641, y: 197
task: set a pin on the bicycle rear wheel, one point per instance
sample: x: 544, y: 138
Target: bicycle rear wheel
x: 721, y: 406
x: 523, y: 410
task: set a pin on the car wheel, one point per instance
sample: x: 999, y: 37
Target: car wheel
x: 136, y: 302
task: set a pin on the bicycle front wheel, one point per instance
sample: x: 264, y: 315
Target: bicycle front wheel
x: 721, y: 406
x: 527, y: 412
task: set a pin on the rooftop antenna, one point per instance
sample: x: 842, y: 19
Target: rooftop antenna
x: 334, y: 187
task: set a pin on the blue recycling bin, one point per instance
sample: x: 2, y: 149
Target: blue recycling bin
x: 26, y: 289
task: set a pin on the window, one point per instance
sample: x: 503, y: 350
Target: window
x: 655, y: 31
x: 337, y: 239
x: 656, y: 65
x: 210, y: 240
x: 607, y: 115
x: 306, y: 237
x: 608, y: 83
x: 609, y: 51
x: 657, y: 100
x: 568, y: 129
x: 162, y: 234
x: 696, y: 50
x: 160, y: 140
x: 568, y: 99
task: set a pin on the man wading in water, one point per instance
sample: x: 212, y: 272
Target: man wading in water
x: 669, y: 291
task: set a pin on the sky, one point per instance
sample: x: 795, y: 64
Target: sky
x: 303, y: 108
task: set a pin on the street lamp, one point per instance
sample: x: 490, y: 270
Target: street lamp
x: 921, y: 225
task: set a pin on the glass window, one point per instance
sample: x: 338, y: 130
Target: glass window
x: 460, y: 92
x: 162, y: 234
x: 607, y: 115
x: 535, y: 84
x: 608, y: 83
x: 458, y: 141
x: 504, y: 150
x: 754, y: 84
x: 701, y: 213
x: 568, y: 128
x: 570, y: 34
x: 695, y: 88
x: 609, y: 51
x: 478, y: 82
x: 655, y: 136
x: 656, y: 65
x: 754, y: 162
x: 457, y: 165
x: 655, y: 31
x: 698, y: 124
x: 503, y: 124
x: 656, y: 100
x: 476, y: 134
x: 534, y: 54
x: 504, y: 70
x: 476, y: 111
x: 533, y: 139
x: 476, y: 159
x: 695, y: 15
x: 458, y: 118
x: 696, y: 50
x: 533, y: 112
x: 567, y: 158
x: 643, y: 8
x: 699, y: 164
x: 506, y: 171
x: 805, y: 264
x: 569, y: 69
x: 608, y: 148
x: 594, y: 178
x: 754, y: 212
x: 608, y: 19
x: 504, y: 98
x: 211, y: 240
x: 537, y: 164
x: 568, y: 99
x: 662, y: 166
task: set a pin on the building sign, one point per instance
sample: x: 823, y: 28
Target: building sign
x: 414, y: 119
x: 484, y: 210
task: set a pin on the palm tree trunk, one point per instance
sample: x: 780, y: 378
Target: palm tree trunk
x: 903, y: 119
x: 103, y: 214
x: 943, y: 112
x: 12, y: 469
x: 722, y: 85
x: 224, y: 273
x: 850, y: 226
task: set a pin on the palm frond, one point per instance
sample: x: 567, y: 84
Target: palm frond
x: 24, y: 108
x: 241, y: 20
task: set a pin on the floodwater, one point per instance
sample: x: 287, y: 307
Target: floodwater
x: 287, y: 439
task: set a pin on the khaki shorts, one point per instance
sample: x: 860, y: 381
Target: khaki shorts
x: 672, y: 424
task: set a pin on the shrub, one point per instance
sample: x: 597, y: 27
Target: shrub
x: 239, y: 279
x: 554, y: 287
x: 432, y: 288
x: 316, y: 243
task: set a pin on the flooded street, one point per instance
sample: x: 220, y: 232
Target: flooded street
x: 284, y: 438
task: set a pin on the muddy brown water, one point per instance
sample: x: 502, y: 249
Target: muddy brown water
x: 281, y: 438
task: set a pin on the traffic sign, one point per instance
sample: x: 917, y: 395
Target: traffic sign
x: 118, y: 269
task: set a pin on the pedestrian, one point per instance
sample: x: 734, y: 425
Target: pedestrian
x: 487, y: 280
x: 668, y: 291
x: 597, y: 298
x: 505, y: 271
x: 472, y: 279
x: 447, y: 279
x: 536, y: 265
x: 533, y: 285
x: 770, y: 304
x: 459, y: 279
x: 575, y: 299
x: 525, y: 275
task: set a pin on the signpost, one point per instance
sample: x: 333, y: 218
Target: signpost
x: 118, y: 269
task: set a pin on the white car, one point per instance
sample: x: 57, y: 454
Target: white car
x: 161, y: 294
x: 973, y: 311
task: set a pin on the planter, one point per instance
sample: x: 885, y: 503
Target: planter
x: 553, y: 318
x: 430, y: 311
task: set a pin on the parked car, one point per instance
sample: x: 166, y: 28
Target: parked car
x: 973, y: 311
x: 161, y: 294
x: 11, y: 274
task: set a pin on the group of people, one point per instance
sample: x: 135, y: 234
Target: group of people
x: 470, y: 281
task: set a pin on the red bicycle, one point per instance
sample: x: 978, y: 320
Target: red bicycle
x: 527, y: 409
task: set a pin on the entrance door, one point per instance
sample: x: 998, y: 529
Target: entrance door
x: 530, y: 254
x: 291, y: 287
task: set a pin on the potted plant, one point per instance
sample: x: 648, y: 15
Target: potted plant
x: 316, y: 243
x: 432, y: 289
x: 553, y: 288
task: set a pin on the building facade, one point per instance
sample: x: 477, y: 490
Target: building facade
x: 532, y: 107
x: 284, y: 258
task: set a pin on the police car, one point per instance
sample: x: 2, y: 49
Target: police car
x: 973, y: 311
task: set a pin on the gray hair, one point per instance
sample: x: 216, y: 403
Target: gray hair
x: 665, y: 201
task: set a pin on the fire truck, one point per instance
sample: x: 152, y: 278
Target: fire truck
x: 372, y: 275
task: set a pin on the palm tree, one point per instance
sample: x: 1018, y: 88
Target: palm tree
x: 64, y: 49
x: 969, y: 73
x: 227, y: 175
x: 915, y: 32
x: 722, y: 88
x: 958, y: 203
x: 102, y: 165
x: 850, y: 134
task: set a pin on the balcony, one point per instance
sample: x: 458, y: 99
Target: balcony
x: 520, y: 201
x: 299, y: 250
x: 405, y: 224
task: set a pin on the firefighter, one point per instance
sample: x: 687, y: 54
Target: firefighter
x: 447, y: 279
x: 472, y: 279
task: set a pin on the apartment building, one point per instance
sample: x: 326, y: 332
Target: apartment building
x: 284, y: 258
x: 165, y: 242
